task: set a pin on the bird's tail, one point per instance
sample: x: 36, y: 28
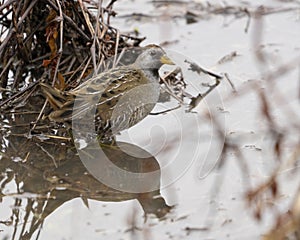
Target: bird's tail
x: 61, y: 102
x: 55, y: 97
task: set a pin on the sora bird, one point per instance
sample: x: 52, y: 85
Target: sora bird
x: 116, y: 99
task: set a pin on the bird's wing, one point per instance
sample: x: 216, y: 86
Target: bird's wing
x: 113, y: 78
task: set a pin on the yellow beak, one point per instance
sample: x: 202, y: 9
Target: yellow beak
x: 166, y: 60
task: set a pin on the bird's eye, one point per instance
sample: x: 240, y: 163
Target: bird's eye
x: 152, y: 53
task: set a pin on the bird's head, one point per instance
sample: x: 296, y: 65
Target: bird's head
x: 153, y: 58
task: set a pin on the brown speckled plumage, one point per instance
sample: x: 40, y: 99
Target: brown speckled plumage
x: 106, y: 89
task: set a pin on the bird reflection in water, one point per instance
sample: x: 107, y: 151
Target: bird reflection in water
x: 50, y: 172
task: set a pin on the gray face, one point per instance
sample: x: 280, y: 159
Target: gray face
x: 150, y: 59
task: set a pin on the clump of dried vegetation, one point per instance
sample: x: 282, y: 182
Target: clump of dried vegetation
x: 60, y: 42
